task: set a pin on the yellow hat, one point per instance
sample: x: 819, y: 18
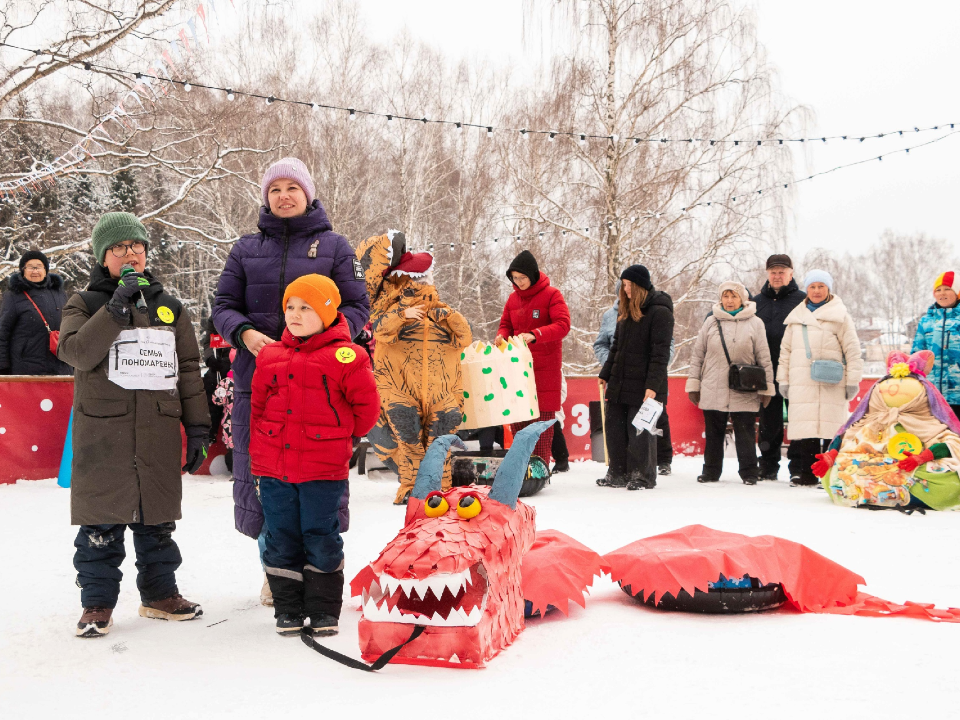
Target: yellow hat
x: 321, y: 294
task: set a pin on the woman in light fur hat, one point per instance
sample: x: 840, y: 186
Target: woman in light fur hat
x: 708, y: 386
x: 817, y: 409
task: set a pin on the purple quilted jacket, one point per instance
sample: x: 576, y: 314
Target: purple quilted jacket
x: 251, y: 287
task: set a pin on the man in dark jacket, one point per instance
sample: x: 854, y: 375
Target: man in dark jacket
x: 778, y: 297
x: 295, y: 239
x: 137, y: 381
x: 31, y: 309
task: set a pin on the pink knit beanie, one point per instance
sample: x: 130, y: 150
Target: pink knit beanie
x: 291, y: 169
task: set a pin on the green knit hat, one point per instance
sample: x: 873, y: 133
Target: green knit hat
x: 113, y: 228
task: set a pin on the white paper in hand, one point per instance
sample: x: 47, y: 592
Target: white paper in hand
x: 647, y: 418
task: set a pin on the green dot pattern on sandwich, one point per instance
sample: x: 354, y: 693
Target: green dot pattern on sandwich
x: 519, y: 393
x: 463, y: 356
x: 506, y: 412
x: 487, y: 371
x: 526, y: 374
x: 466, y: 395
x: 488, y: 349
x: 488, y: 397
x: 503, y: 381
x: 514, y: 359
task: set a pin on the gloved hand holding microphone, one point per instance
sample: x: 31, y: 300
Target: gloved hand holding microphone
x: 131, y: 286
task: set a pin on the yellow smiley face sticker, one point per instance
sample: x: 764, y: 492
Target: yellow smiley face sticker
x: 346, y: 355
x: 165, y: 314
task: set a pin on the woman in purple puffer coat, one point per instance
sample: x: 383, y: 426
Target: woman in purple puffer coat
x: 295, y: 239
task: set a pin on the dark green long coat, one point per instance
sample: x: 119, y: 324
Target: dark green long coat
x: 126, y: 443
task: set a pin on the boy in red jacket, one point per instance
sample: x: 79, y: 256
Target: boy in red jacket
x: 312, y: 392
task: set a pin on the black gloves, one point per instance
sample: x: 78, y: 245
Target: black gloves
x: 197, y: 443
x: 129, y: 287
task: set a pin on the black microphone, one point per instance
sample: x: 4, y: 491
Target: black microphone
x: 141, y: 302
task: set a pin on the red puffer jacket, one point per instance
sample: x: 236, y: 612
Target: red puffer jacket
x: 541, y: 311
x: 309, y: 398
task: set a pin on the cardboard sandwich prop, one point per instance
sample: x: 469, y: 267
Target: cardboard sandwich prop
x: 900, y: 448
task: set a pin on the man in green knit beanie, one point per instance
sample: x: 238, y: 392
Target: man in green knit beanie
x: 137, y: 381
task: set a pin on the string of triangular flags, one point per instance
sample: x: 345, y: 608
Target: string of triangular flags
x: 150, y: 86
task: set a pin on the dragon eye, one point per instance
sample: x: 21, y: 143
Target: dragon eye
x: 469, y: 507
x: 435, y: 505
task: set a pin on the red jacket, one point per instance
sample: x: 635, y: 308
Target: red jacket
x: 309, y: 398
x: 542, y: 311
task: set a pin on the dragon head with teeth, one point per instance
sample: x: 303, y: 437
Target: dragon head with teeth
x: 455, y: 567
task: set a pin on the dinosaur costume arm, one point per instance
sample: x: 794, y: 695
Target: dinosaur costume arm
x: 457, y: 325
x: 387, y: 326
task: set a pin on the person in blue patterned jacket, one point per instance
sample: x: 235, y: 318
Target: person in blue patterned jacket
x: 939, y: 332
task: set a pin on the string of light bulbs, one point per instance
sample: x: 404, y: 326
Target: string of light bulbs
x: 663, y: 214
x: 353, y: 113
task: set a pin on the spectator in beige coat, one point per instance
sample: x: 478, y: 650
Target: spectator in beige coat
x: 817, y: 409
x: 708, y: 387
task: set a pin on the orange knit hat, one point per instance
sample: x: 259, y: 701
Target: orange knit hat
x: 950, y: 279
x: 321, y: 294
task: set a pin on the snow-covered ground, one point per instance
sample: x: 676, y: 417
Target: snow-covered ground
x: 614, y: 658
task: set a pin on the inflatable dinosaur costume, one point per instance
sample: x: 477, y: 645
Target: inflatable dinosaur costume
x: 416, y: 361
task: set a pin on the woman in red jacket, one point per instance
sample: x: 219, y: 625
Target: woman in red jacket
x: 537, y: 312
x: 312, y: 392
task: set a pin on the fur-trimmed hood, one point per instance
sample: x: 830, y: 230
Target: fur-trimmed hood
x: 19, y: 284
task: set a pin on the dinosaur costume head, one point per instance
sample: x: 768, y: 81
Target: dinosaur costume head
x: 454, y: 568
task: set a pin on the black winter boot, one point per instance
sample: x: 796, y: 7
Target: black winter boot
x: 287, y: 595
x: 322, y: 600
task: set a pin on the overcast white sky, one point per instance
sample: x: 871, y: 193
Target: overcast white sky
x: 862, y: 67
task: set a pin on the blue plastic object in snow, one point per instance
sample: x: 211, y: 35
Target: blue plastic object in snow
x: 66, y: 460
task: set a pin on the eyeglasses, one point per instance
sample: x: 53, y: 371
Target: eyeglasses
x: 120, y: 250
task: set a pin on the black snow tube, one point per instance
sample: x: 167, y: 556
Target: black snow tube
x: 717, y: 601
x: 473, y: 468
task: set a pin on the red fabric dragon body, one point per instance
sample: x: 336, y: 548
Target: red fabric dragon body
x: 467, y: 559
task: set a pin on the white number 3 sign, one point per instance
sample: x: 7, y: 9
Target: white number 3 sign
x: 582, y: 413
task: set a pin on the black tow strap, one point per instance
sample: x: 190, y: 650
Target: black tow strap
x: 308, y: 640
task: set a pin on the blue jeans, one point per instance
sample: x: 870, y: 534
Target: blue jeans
x: 303, y: 525
x: 100, y: 551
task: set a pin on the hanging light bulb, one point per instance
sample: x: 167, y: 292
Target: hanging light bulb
x: 271, y: 100
x: 389, y: 118
x: 459, y: 127
x: 230, y: 96
x: 489, y: 132
x: 314, y: 107
x: 551, y: 136
x: 583, y: 139
x: 187, y: 87
x: 353, y: 114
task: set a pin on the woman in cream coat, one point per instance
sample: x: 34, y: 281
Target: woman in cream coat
x: 816, y: 410
x: 709, y: 388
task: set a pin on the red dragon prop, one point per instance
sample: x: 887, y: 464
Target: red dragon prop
x: 457, y: 567
x: 449, y: 590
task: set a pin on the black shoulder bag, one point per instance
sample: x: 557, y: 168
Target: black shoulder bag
x: 742, y: 378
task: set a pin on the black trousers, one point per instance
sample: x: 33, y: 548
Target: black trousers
x: 100, y: 552
x: 558, y: 447
x: 744, y: 434
x: 632, y: 455
x: 770, y: 436
x: 664, y: 444
x: 802, y: 453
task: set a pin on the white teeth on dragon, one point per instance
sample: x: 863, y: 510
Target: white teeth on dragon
x: 454, y: 582
x: 458, y: 617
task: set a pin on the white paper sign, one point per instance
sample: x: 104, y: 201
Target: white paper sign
x: 647, y: 418
x: 144, y: 359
